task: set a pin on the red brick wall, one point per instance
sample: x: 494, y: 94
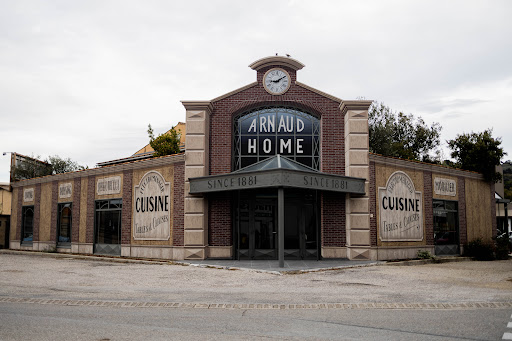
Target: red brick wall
x: 91, y: 190
x: 178, y: 204
x: 75, y: 218
x: 333, y: 219
x: 126, y: 212
x: 37, y: 212
x: 373, y: 206
x: 463, y: 227
x: 220, y: 220
x: 429, y: 210
x: 19, y: 213
x: 53, y: 219
x: 493, y: 211
x: 221, y: 146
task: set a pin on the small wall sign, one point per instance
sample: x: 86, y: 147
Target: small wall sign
x: 28, y: 194
x: 151, y: 208
x: 445, y: 187
x: 65, y: 190
x: 401, y: 210
x: 111, y: 185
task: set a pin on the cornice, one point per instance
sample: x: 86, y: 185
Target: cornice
x: 276, y: 61
x: 321, y: 93
x: 423, y: 166
x: 354, y: 105
x: 156, y: 162
x: 231, y: 93
x: 198, y: 105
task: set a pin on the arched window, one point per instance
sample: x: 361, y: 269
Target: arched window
x: 64, y: 224
x: 265, y: 132
x: 27, y: 228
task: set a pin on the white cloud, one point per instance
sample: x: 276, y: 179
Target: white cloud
x: 82, y: 79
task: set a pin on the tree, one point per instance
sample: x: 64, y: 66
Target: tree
x: 478, y: 152
x: 31, y: 167
x: 402, y: 135
x: 61, y: 165
x: 165, y: 144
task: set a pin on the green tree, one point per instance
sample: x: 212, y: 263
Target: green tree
x: 401, y: 135
x: 478, y: 152
x: 32, y: 167
x: 61, y: 165
x: 165, y: 144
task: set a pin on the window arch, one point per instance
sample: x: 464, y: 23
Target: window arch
x: 265, y: 132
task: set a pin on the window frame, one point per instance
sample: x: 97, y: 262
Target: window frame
x: 24, y: 210
x: 60, y: 209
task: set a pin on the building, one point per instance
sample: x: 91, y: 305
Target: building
x: 5, y: 214
x: 273, y: 170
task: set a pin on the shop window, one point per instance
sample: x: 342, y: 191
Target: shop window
x: 64, y: 224
x: 27, y: 224
x: 270, y: 131
x: 108, y: 221
x: 446, y: 227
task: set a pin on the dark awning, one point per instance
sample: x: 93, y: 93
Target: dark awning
x: 274, y: 172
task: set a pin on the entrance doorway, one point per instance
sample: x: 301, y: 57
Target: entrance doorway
x: 446, y: 228
x: 107, y: 234
x: 256, y: 226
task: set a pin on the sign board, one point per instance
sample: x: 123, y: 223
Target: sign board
x: 445, y: 187
x: 28, y: 194
x: 151, y: 208
x: 65, y: 190
x: 277, y: 178
x: 111, y: 185
x: 401, y: 210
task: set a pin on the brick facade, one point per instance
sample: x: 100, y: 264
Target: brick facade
x: 91, y: 191
x: 373, y: 206
x: 53, y: 219
x: 332, y: 151
x: 37, y: 212
x: 463, y: 227
x: 19, y: 213
x: 126, y: 212
x: 75, y: 218
x: 429, y: 210
x: 178, y: 204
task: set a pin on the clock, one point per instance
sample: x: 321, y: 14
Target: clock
x: 276, y: 81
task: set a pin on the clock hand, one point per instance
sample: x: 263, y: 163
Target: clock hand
x: 277, y: 81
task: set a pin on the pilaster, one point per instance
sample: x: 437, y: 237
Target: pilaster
x: 357, y: 165
x: 195, y: 238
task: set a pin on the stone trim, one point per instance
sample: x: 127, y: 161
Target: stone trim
x: 321, y: 93
x: 276, y: 61
x: 140, y: 164
x: 428, y: 167
x: 234, y: 92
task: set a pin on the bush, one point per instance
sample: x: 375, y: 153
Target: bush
x: 502, y: 246
x: 424, y: 255
x: 479, y: 250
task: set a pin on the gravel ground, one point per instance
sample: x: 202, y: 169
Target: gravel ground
x: 66, y: 278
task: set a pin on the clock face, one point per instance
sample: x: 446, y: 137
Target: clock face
x: 276, y: 81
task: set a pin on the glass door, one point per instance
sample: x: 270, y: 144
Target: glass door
x: 107, y: 237
x: 300, y: 227
x: 257, y: 225
x: 446, y: 228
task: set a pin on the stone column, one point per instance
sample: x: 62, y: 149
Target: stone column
x: 195, y: 239
x: 357, y: 165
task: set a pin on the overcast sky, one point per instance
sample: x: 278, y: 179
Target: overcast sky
x: 83, y: 79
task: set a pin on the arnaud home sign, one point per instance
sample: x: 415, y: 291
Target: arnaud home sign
x: 401, y: 210
x: 151, y: 208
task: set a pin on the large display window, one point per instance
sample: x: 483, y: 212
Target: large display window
x: 266, y: 132
x: 27, y: 224
x: 446, y: 227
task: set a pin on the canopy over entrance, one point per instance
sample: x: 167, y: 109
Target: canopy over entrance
x: 274, y: 172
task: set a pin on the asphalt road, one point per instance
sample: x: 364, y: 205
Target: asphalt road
x: 45, y: 298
